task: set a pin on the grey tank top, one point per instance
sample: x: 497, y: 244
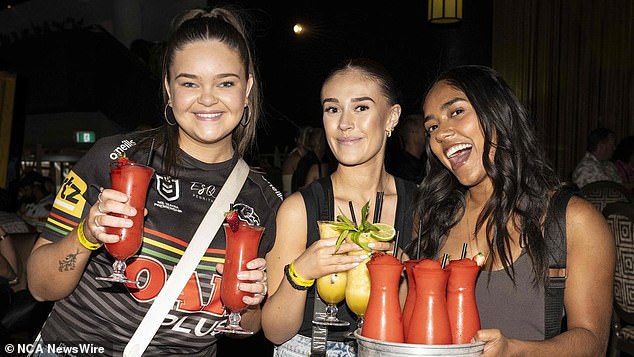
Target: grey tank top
x: 518, y: 311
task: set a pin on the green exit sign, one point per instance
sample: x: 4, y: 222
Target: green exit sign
x: 84, y: 136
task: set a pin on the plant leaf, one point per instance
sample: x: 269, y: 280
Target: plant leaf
x: 340, y: 239
x: 364, y: 213
x: 341, y: 226
x: 342, y: 218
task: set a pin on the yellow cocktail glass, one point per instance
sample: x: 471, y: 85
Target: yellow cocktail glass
x: 332, y: 287
x: 358, y: 287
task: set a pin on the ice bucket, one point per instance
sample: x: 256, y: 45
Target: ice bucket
x: 368, y: 347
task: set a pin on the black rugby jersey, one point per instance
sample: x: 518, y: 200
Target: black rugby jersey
x: 107, y: 314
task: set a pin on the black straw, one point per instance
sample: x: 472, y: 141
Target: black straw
x: 378, y: 207
x: 354, y: 219
x: 395, y: 249
x: 445, y: 257
x: 464, y: 250
x: 149, y: 155
x: 418, y: 240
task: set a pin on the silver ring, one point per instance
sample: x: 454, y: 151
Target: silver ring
x: 99, y: 208
x: 99, y: 198
x: 97, y: 223
x: 266, y: 288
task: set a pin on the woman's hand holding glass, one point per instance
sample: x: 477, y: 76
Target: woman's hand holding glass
x: 331, y: 281
x: 255, y: 281
x: 109, y: 201
x: 320, y: 259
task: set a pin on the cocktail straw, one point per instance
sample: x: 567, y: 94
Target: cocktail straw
x: 464, y: 250
x: 395, y: 249
x: 378, y: 207
x: 445, y: 257
x: 354, y: 219
x: 420, y: 233
x: 149, y: 155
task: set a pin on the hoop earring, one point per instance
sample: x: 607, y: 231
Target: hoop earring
x: 388, y: 132
x: 165, y: 115
x: 245, y: 116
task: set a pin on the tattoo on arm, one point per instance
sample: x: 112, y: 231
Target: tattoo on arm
x: 69, y: 262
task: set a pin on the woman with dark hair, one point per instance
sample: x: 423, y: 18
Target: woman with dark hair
x: 489, y: 186
x: 623, y: 159
x: 360, y: 108
x: 212, y: 104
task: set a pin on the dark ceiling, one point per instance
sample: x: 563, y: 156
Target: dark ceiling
x: 71, y: 66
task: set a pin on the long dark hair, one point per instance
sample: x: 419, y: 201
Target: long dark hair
x: 521, y: 177
x: 222, y: 24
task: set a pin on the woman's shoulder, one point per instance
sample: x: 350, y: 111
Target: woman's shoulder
x: 585, y: 224
x: 292, y: 210
x: 579, y: 209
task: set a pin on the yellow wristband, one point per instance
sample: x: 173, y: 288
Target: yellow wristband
x: 82, y: 237
x: 297, y: 279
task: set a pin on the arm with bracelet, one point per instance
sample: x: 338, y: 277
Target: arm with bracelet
x: 293, y: 268
x: 55, y: 267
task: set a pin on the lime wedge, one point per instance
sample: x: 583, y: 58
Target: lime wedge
x: 384, y: 233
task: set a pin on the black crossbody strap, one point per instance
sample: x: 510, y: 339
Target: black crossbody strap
x: 323, y: 204
x: 555, y: 236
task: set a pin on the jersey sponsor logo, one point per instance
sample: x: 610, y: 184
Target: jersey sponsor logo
x: 70, y: 197
x: 168, y: 187
x: 153, y: 275
x: 274, y: 189
x: 203, y: 191
x: 120, y: 150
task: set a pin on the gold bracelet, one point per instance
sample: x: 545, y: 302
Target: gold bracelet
x: 82, y: 237
x: 297, y: 278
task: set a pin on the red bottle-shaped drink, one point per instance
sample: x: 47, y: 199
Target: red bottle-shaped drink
x: 410, y: 300
x: 242, y: 247
x: 383, y: 320
x: 429, y: 323
x: 461, y: 303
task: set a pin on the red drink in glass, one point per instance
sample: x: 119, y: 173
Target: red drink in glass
x: 429, y: 323
x: 242, y: 247
x: 461, y: 301
x: 133, y: 179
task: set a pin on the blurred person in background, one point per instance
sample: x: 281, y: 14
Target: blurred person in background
x: 623, y: 159
x: 406, y: 155
x: 595, y: 164
x: 290, y: 163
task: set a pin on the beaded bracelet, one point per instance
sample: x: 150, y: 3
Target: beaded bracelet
x: 292, y: 281
x: 82, y: 237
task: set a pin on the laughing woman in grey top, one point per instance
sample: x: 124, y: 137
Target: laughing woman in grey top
x: 488, y: 184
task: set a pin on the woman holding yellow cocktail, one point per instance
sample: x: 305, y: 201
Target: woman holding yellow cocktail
x: 360, y: 110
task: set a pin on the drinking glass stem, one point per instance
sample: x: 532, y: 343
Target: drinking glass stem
x: 331, y: 312
x: 234, y: 319
x: 119, y: 267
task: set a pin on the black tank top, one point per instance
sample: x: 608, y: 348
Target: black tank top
x: 319, y: 201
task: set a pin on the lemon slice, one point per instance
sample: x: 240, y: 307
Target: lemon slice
x: 385, y: 232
